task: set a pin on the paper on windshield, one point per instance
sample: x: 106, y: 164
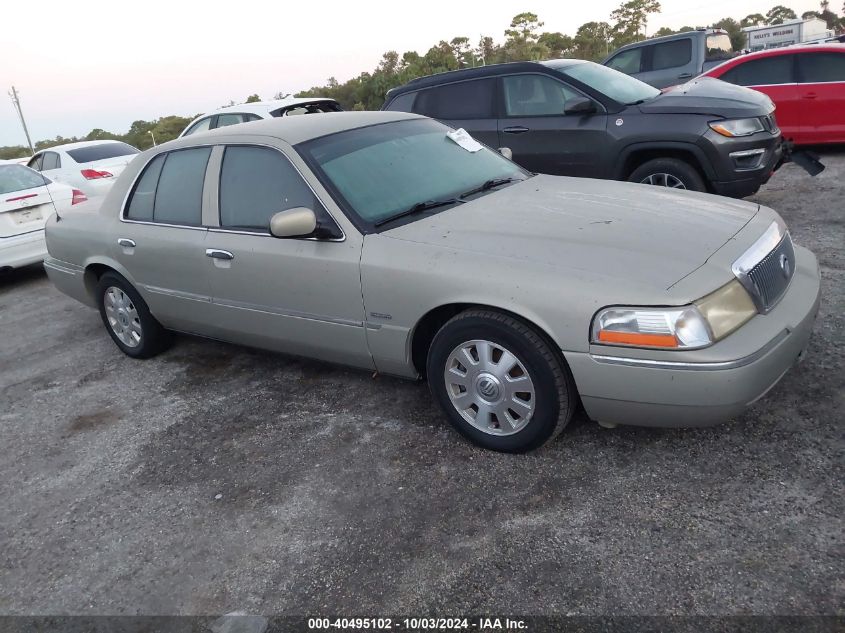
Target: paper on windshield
x: 462, y: 138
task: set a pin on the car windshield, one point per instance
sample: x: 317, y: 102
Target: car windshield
x: 101, y: 152
x: 618, y: 86
x: 17, y: 178
x: 384, y: 170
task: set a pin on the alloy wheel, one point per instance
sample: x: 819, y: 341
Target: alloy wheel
x: 664, y: 180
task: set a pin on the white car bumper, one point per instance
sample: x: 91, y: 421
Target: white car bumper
x: 22, y: 250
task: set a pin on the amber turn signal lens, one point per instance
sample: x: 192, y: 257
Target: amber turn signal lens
x: 634, y: 338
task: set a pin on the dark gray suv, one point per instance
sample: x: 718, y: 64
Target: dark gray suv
x: 575, y: 118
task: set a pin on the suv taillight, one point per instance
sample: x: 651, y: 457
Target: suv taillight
x: 93, y: 174
x: 78, y: 197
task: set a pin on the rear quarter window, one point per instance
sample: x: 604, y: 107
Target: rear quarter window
x: 101, y: 152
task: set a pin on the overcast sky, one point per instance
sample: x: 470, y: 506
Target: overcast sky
x: 83, y: 65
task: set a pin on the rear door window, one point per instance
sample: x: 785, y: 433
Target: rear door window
x: 762, y: 72
x: 462, y: 100
x: 94, y: 153
x: 255, y: 184
x: 821, y: 67
x: 535, y: 95
x: 671, y: 54
x: 170, y: 189
x: 628, y: 62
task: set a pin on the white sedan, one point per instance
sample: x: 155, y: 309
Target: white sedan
x: 246, y: 112
x: 90, y: 166
x: 27, y: 199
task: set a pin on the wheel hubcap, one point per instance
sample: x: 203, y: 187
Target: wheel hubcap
x: 489, y: 387
x: 122, y: 316
x: 663, y: 180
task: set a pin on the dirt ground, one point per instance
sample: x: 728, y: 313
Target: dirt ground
x: 216, y: 478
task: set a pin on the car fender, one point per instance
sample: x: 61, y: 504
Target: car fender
x: 628, y: 150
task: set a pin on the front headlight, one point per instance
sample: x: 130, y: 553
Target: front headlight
x: 689, y: 327
x: 737, y: 127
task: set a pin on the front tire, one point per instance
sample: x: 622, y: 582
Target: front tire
x: 127, y: 318
x: 499, y: 382
x: 668, y: 172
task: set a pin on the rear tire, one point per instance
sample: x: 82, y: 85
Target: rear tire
x: 498, y: 381
x: 127, y: 318
x: 669, y: 172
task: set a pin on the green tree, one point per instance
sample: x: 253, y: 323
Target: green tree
x: 752, y: 19
x: 557, y: 44
x: 779, y: 14
x: 663, y: 31
x: 592, y: 41
x: 253, y: 99
x: 630, y: 20
x: 522, y: 41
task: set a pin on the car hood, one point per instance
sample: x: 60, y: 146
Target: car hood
x: 652, y: 236
x: 706, y: 95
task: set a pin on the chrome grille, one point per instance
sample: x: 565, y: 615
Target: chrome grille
x: 769, y: 278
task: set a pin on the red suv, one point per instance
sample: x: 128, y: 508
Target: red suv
x: 807, y: 84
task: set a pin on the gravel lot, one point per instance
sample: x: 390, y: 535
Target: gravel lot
x: 216, y: 478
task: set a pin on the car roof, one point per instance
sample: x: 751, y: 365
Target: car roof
x: 295, y: 129
x: 773, y: 52
x: 667, y: 38
x: 264, y: 107
x: 491, y: 70
x: 68, y: 146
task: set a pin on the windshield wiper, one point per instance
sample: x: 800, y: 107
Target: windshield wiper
x: 419, y: 207
x: 490, y: 184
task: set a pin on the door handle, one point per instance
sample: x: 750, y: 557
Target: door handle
x: 218, y: 254
x: 517, y: 129
x: 810, y: 95
x: 126, y: 242
x: 684, y: 75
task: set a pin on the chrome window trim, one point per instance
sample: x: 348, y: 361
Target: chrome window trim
x: 217, y: 229
x: 702, y: 366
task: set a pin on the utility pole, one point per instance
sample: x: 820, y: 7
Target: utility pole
x: 17, y: 103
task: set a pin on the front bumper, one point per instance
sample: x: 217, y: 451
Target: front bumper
x: 620, y: 389
x: 733, y: 178
x: 22, y: 250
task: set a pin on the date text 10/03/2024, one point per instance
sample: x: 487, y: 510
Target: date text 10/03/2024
x: 386, y: 624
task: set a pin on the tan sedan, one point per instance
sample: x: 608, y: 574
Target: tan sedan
x: 389, y: 242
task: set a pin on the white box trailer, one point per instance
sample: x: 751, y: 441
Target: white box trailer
x: 790, y: 32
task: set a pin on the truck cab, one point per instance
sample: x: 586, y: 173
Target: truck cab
x: 673, y: 59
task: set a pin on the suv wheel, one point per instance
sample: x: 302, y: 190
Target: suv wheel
x: 668, y: 172
x: 127, y: 318
x: 498, y: 381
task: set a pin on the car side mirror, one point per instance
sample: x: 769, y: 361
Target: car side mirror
x: 506, y: 152
x: 579, y: 105
x: 296, y: 222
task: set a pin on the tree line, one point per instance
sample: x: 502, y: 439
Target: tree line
x: 524, y: 40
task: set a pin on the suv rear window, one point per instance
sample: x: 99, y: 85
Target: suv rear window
x: 762, y: 72
x: 463, y: 100
x: 101, y: 152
